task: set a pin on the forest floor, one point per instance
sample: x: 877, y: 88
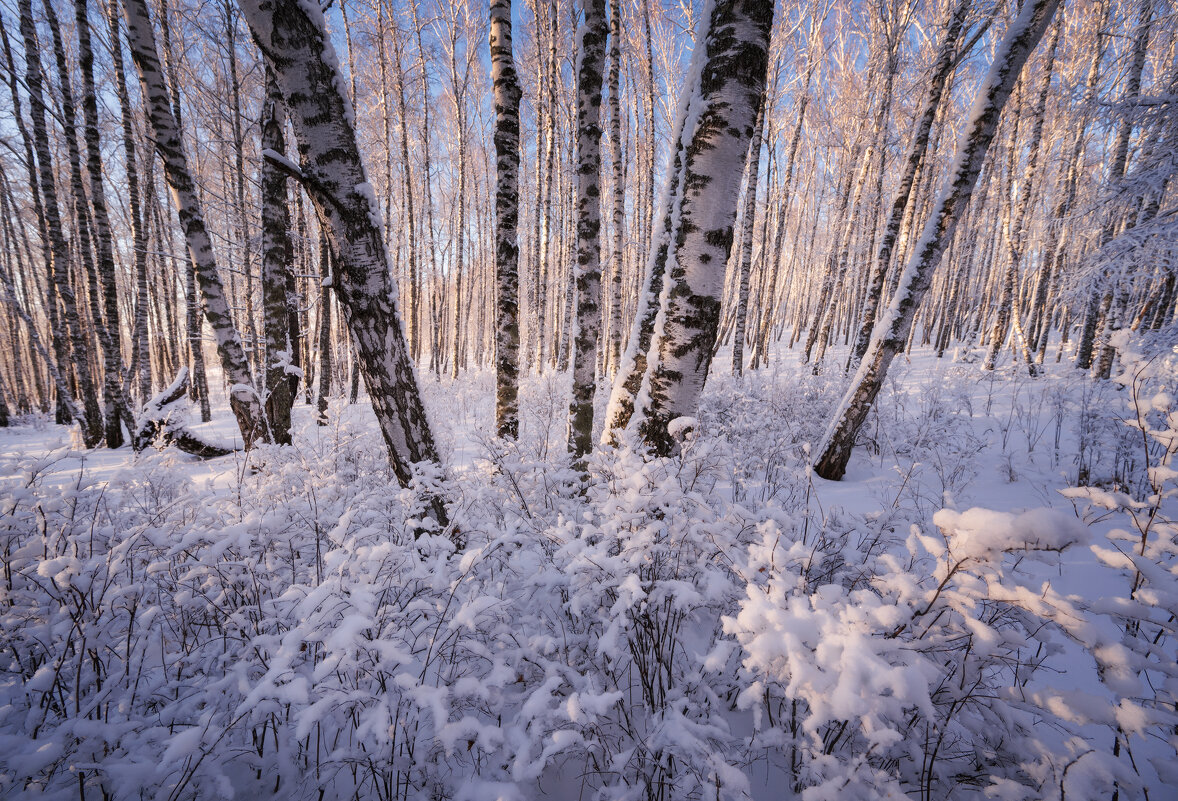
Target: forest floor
x: 944, y: 435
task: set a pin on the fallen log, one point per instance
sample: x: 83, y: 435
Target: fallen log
x: 163, y: 421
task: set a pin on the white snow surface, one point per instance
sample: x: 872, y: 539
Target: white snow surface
x: 724, y: 622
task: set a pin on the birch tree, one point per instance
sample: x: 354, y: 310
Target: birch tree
x: 719, y: 101
x: 618, y: 197
x: 243, y: 397
x: 141, y: 353
x: 745, y: 255
x: 507, y: 100
x: 942, y: 68
x: 892, y: 331
x: 276, y: 271
x: 117, y: 412
x: 293, y: 38
x: 58, y: 252
x: 590, y: 70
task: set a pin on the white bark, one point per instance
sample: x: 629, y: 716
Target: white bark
x: 507, y: 100
x: 891, y: 334
x: 726, y: 94
x: 293, y: 38
x: 590, y: 67
x: 243, y: 398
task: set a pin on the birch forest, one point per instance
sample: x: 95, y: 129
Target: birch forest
x: 626, y: 400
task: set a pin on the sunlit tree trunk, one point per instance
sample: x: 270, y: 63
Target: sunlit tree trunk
x: 243, y: 397
x: 893, y: 328
x: 293, y: 38
x: 590, y: 69
x: 507, y: 100
x: 724, y: 87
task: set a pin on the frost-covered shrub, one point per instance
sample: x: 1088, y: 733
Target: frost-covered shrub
x: 900, y: 672
x: 648, y: 572
x: 179, y: 641
x: 768, y: 430
x: 712, y: 625
x: 1139, y: 662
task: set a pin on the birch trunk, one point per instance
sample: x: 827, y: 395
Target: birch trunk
x: 726, y: 91
x: 745, y: 255
x: 942, y: 67
x: 1009, y: 273
x: 10, y: 297
x: 57, y: 344
x: 1008, y: 311
x: 590, y: 69
x: 768, y: 304
x: 199, y: 386
x: 91, y: 421
x: 293, y: 37
x: 830, y: 273
x: 628, y: 381
x: 326, y: 278
x: 276, y: 270
x: 1038, y: 300
x: 1088, y: 333
x: 116, y: 411
x: 413, y: 312
x: 891, y: 334
x: 425, y: 147
x: 243, y: 398
x: 507, y: 100
x: 141, y: 354
x: 617, y: 248
x: 1114, y: 320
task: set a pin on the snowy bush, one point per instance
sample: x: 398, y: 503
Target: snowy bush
x: 715, y: 625
x: 1139, y: 661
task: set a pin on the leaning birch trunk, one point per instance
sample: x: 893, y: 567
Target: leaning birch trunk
x: 942, y: 67
x: 243, y: 398
x: 292, y: 36
x: 590, y: 68
x: 891, y: 334
x: 745, y: 255
x: 117, y: 411
x: 59, y: 252
x: 141, y: 358
x: 507, y: 99
x: 728, y: 91
x: 1016, y: 219
x: 276, y: 269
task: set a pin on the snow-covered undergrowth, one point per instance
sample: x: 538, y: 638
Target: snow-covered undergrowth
x: 717, y: 625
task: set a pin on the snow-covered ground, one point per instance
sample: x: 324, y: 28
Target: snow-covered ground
x: 943, y: 623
